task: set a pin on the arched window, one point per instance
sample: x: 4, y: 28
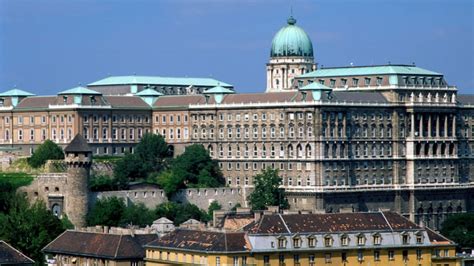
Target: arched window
x: 309, y: 151
x: 300, y: 150
x: 290, y: 151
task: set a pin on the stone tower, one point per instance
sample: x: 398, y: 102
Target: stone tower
x: 291, y: 55
x: 78, y: 157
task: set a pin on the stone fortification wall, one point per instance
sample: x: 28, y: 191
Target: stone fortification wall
x: 45, y: 186
x: 202, y: 197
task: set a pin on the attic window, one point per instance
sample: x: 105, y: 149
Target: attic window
x: 328, y: 241
x: 311, y: 241
x: 2, y: 101
x: 282, y: 242
x: 377, y: 239
x: 360, y: 240
x: 296, y: 242
x: 405, y: 238
x: 344, y: 240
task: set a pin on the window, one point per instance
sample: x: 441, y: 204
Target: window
x: 405, y: 239
x: 391, y: 255
x: 419, y: 254
x: 266, y: 260
x: 360, y: 255
x: 327, y: 257
x: 311, y: 242
x: 355, y: 82
x: 377, y: 240
x: 218, y: 261
x: 282, y: 242
x: 344, y: 240
x: 367, y: 81
x: 379, y: 81
x: 328, y: 241
x: 296, y: 242
x: 419, y: 238
x: 376, y: 255
x: 405, y: 255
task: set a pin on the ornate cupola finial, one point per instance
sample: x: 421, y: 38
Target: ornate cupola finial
x: 291, y: 20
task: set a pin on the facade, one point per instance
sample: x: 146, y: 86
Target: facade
x: 400, y: 132
x: 381, y: 238
x: 90, y: 248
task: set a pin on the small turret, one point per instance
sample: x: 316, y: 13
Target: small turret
x: 78, y: 157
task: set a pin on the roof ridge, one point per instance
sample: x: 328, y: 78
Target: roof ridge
x: 18, y: 251
x: 284, y: 223
x: 118, y: 246
x: 386, y: 220
x: 68, y: 230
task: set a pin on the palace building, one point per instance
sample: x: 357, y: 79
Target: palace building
x: 399, y: 132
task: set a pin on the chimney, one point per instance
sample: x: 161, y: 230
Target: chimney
x: 256, y: 216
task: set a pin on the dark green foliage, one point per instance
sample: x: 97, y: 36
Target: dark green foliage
x: 238, y: 205
x: 267, y: 191
x: 193, y: 168
x: 179, y: 213
x: 137, y: 214
x: 150, y: 156
x: 214, y: 206
x: 46, y: 151
x: 27, y: 227
x: 16, y: 180
x: 113, y: 212
x: 67, y: 224
x: 102, y: 183
x: 108, y: 211
x: 460, y: 229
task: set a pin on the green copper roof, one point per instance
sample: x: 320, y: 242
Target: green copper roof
x: 16, y: 92
x: 368, y: 70
x: 218, y: 89
x: 149, y: 92
x: 80, y: 90
x: 291, y: 40
x: 315, y: 86
x: 166, y: 81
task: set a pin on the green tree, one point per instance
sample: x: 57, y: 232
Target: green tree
x: 179, y: 213
x: 193, y: 168
x: 214, y: 206
x: 46, y: 151
x: 151, y: 156
x: 29, y: 227
x: 107, y: 211
x: 267, y: 191
x: 137, y: 214
x: 153, y: 152
x: 460, y: 229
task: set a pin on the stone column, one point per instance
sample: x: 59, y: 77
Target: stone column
x: 412, y: 125
x: 421, y: 126
x: 437, y: 126
x: 429, y: 125
x: 446, y: 126
x: 411, y: 205
x: 454, y: 126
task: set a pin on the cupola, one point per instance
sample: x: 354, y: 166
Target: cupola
x: 218, y: 92
x: 318, y: 91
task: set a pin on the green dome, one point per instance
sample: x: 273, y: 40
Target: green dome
x: 291, y: 40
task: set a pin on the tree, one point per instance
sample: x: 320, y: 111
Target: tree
x: 46, y: 151
x: 29, y: 227
x: 267, y: 191
x: 180, y: 213
x: 137, y: 214
x: 107, y: 211
x: 193, y: 168
x: 460, y: 229
x: 214, y: 206
x: 151, y: 156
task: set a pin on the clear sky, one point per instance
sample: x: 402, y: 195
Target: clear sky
x: 52, y: 45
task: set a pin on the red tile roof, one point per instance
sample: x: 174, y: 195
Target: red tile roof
x: 179, y: 100
x: 330, y: 222
x: 100, y: 245
x: 11, y: 256
x: 125, y: 101
x: 207, y: 241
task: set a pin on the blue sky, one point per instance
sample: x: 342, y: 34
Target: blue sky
x: 52, y: 45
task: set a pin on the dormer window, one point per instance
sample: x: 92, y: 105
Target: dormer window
x: 282, y: 242
x: 296, y: 242
x: 367, y: 81
x: 2, y: 102
x: 321, y: 81
x: 344, y: 240
x: 344, y: 82
x: 377, y: 239
x: 328, y: 241
x: 379, y: 81
x: 332, y: 83
x: 405, y: 239
x: 311, y: 241
x: 65, y: 99
x: 419, y: 238
x: 355, y: 82
x: 360, y: 240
